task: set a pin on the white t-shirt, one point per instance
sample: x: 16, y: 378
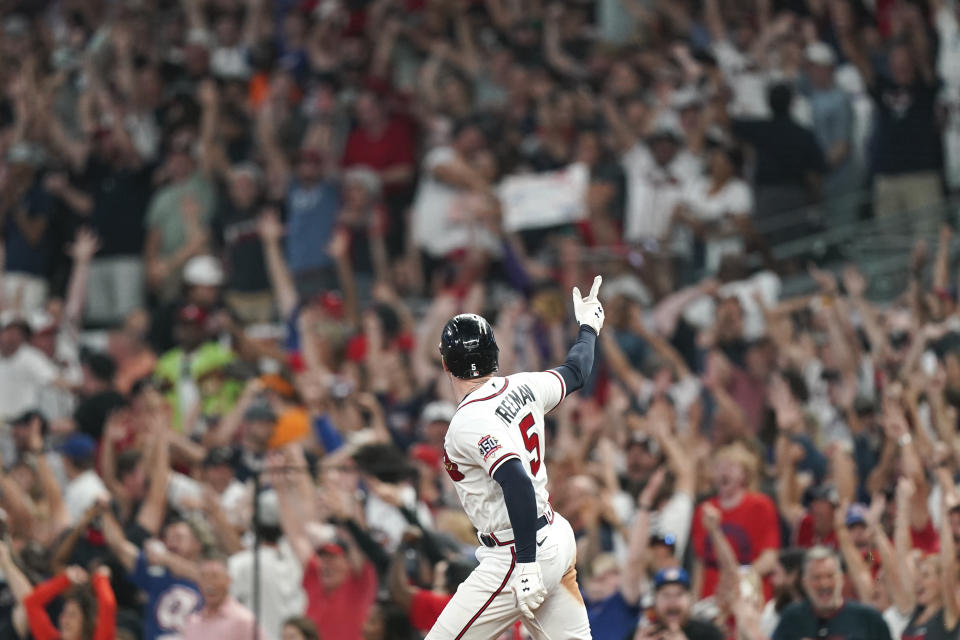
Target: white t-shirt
x: 734, y: 199
x: 387, y: 523
x: 22, y: 376
x: 896, y: 621
x: 948, y: 68
x: 82, y: 492
x: 769, y: 619
x: 230, y: 62
x: 443, y: 215
x: 433, y: 203
x: 675, y: 518
x: 236, y: 499
x: 949, y: 100
x: 948, y: 45
x: 499, y: 421
x: 749, y: 83
x: 746, y: 81
x: 281, y: 591
x: 701, y: 312
x: 653, y: 191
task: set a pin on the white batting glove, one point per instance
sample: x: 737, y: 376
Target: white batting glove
x: 589, y: 311
x: 528, y: 588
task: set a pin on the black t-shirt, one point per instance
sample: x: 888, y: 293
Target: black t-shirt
x: 235, y: 231
x: 7, y: 603
x: 785, y: 150
x: 21, y: 255
x: 853, y: 621
x: 92, y: 412
x: 906, y: 137
x: 932, y: 629
x: 120, y: 199
x: 695, y: 630
x: 698, y: 630
x: 246, y: 464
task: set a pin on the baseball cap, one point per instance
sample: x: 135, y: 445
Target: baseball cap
x: 25, y: 418
x: 13, y: 319
x: 269, y: 508
x: 336, y: 547
x: 427, y: 454
x: 438, y: 411
x: 665, y: 539
x: 820, y: 53
x: 260, y: 410
x: 821, y: 492
x: 41, y: 322
x: 292, y: 425
x: 100, y: 364
x: 671, y: 576
x: 204, y: 271
x: 249, y: 169
x: 667, y: 126
x: 218, y: 456
x: 78, y: 447
x: 856, y: 514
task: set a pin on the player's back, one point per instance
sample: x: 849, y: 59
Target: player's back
x: 500, y: 420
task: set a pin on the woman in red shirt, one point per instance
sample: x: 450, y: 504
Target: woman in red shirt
x: 80, y: 618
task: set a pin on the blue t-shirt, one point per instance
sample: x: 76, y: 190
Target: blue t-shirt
x: 23, y: 257
x: 311, y: 216
x: 612, y: 617
x: 169, y: 599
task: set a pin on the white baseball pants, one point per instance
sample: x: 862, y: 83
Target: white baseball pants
x: 484, y: 606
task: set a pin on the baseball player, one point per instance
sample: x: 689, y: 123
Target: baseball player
x: 494, y: 452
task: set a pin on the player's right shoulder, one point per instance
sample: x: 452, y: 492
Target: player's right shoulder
x: 548, y: 386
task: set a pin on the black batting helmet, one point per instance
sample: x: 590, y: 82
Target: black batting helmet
x: 468, y: 347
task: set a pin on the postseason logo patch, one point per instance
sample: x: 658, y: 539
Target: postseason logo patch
x: 488, y: 446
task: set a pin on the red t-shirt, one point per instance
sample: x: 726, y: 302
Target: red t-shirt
x: 926, y: 539
x: 806, y: 537
x: 751, y: 527
x: 426, y: 607
x: 393, y: 148
x: 342, y: 612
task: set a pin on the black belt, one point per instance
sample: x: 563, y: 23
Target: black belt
x: 489, y: 541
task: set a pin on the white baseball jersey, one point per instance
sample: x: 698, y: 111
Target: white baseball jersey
x: 500, y: 420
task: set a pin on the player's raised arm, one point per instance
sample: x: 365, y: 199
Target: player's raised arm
x: 589, y: 313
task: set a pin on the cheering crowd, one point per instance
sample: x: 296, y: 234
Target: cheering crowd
x: 232, y: 231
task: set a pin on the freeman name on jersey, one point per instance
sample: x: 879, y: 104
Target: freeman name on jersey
x: 514, y: 401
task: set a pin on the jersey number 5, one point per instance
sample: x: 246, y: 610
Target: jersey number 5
x: 531, y: 441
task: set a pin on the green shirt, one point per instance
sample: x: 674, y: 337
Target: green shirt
x: 206, y: 363
x: 165, y: 211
